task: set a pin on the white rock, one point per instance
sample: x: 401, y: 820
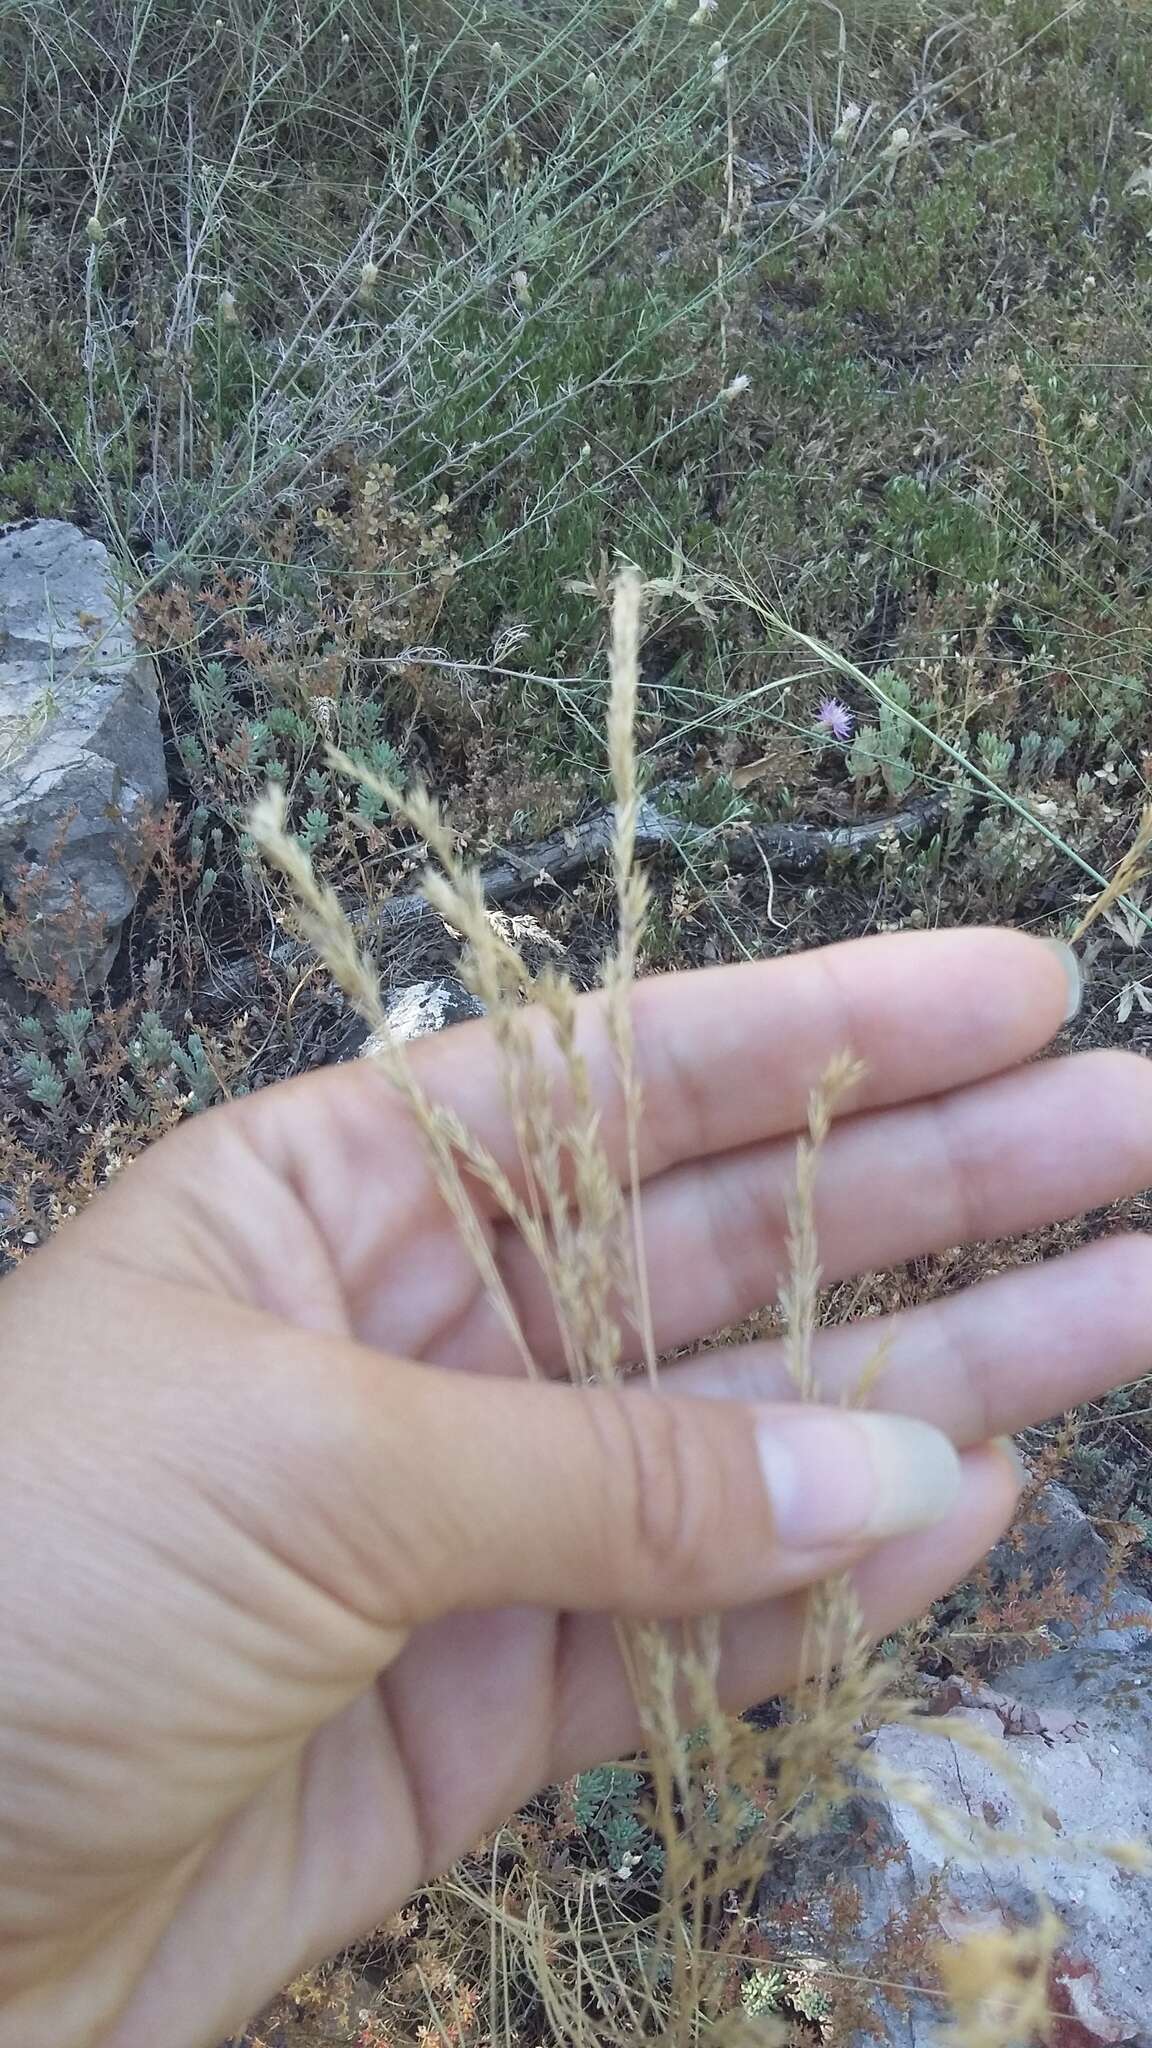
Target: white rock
x: 81, y: 755
x: 1079, y: 1726
x: 424, y: 1007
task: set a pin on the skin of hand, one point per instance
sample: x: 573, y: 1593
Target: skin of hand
x: 303, y: 1586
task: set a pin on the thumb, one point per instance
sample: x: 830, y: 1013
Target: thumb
x: 464, y: 1491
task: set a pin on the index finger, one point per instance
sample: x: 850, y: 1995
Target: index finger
x: 726, y: 1057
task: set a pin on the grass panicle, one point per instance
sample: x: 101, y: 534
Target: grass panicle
x: 721, y: 1797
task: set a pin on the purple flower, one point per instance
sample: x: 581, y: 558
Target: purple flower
x: 836, y: 718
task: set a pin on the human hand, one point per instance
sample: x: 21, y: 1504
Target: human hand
x: 290, y: 1620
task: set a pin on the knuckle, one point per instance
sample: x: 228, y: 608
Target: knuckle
x: 960, y: 1177
x: 672, y: 1075
x: 670, y: 1522
x: 744, y: 1215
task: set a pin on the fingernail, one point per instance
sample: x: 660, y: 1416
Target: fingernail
x: 1072, y: 975
x: 837, y: 1479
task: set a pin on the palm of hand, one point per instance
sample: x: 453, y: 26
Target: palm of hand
x: 337, y: 1704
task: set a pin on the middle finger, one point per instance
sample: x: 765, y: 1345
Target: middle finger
x: 989, y: 1161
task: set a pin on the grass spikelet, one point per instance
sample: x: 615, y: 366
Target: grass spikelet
x: 570, y: 1215
x: 631, y: 911
x: 1131, y: 869
x: 800, y: 1294
x: 996, y: 1981
x: 326, y: 928
x: 318, y: 911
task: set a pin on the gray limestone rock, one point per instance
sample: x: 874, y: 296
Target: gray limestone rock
x: 1076, y: 1727
x: 81, y: 755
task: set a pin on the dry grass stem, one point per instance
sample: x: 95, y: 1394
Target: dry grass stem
x: 1131, y: 870
x: 632, y: 900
